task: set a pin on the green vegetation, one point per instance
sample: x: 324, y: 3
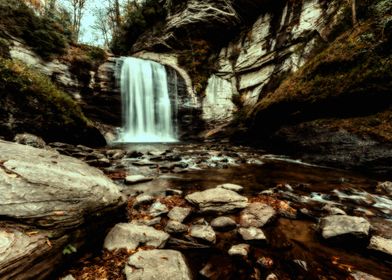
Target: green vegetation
x: 196, y: 59
x: 29, y: 102
x: 345, y: 86
x: 139, y: 18
x: 47, y: 34
x: 83, y: 60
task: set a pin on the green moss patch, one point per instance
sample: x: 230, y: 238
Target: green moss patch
x: 47, y: 35
x: 29, y: 102
x: 352, y: 77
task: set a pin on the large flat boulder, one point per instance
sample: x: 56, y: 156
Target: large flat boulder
x: 130, y: 236
x: 217, y: 200
x: 343, y: 225
x: 157, y: 264
x: 52, y: 200
x: 257, y: 214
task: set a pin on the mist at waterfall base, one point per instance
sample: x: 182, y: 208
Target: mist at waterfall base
x: 147, y: 112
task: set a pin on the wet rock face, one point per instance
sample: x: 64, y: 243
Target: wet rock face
x: 157, y: 264
x: 328, y: 146
x: 48, y: 197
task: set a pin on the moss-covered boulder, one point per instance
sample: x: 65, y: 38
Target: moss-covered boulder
x: 29, y: 102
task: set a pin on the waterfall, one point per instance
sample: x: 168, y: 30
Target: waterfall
x: 146, y: 106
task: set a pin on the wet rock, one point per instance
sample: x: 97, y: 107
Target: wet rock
x: 135, y: 179
x: 157, y: 264
x: 217, y: 200
x: 158, y: 209
x: 257, y: 214
x: 239, y: 250
x: 143, y: 199
x: 231, y: 187
x: 175, y: 227
x: 252, y: 234
x: 130, y: 237
x: 302, y: 264
x: 380, y: 244
x: 173, y: 192
x: 343, y: 225
x: 384, y: 188
x: 223, y: 223
x: 272, y: 276
x: 30, y: 140
x: 203, y: 232
x: 102, y: 162
x: 359, y: 275
x: 209, y: 271
x: 265, y: 262
x: 134, y: 154
x: 179, y: 214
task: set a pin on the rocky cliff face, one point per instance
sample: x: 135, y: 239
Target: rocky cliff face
x: 258, y: 51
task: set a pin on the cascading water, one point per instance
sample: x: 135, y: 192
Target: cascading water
x: 146, y: 107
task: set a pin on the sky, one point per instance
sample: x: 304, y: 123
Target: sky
x: 88, y: 35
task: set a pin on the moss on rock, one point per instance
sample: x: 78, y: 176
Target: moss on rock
x: 29, y: 102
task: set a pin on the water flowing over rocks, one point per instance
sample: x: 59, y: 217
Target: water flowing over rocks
x: 157, y: 264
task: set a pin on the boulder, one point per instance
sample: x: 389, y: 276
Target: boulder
x: 157, y: 264
x: 48, y: 197
x: 223, y: 223
x: 217, y: 200
x: 143, y: 199
x: 158, y: 209
x: 203, y: 232
x: 131, y: 236
x: 175, y: 227
x: 135, y: 179
x: 30, y: 139
x: 252, y: 234
x: 179, y: 214
x: 239, y: 250
x: 380, y: 244
x: 343, y: 225
x: 257, y: 214
x: 384, y: 187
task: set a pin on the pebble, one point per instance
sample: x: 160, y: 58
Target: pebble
x: 252, y: 234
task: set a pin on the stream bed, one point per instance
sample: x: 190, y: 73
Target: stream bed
x: 301, y: 194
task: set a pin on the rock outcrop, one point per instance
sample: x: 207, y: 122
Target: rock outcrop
x: 49, y: 203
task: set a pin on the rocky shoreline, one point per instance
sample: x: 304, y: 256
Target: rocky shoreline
x: 192, y: 211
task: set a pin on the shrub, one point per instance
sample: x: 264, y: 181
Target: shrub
x: 34, y: 102
x: 138, y: 19
x: 46, y: 34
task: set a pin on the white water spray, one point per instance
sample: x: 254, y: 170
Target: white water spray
x: 146, y: 107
